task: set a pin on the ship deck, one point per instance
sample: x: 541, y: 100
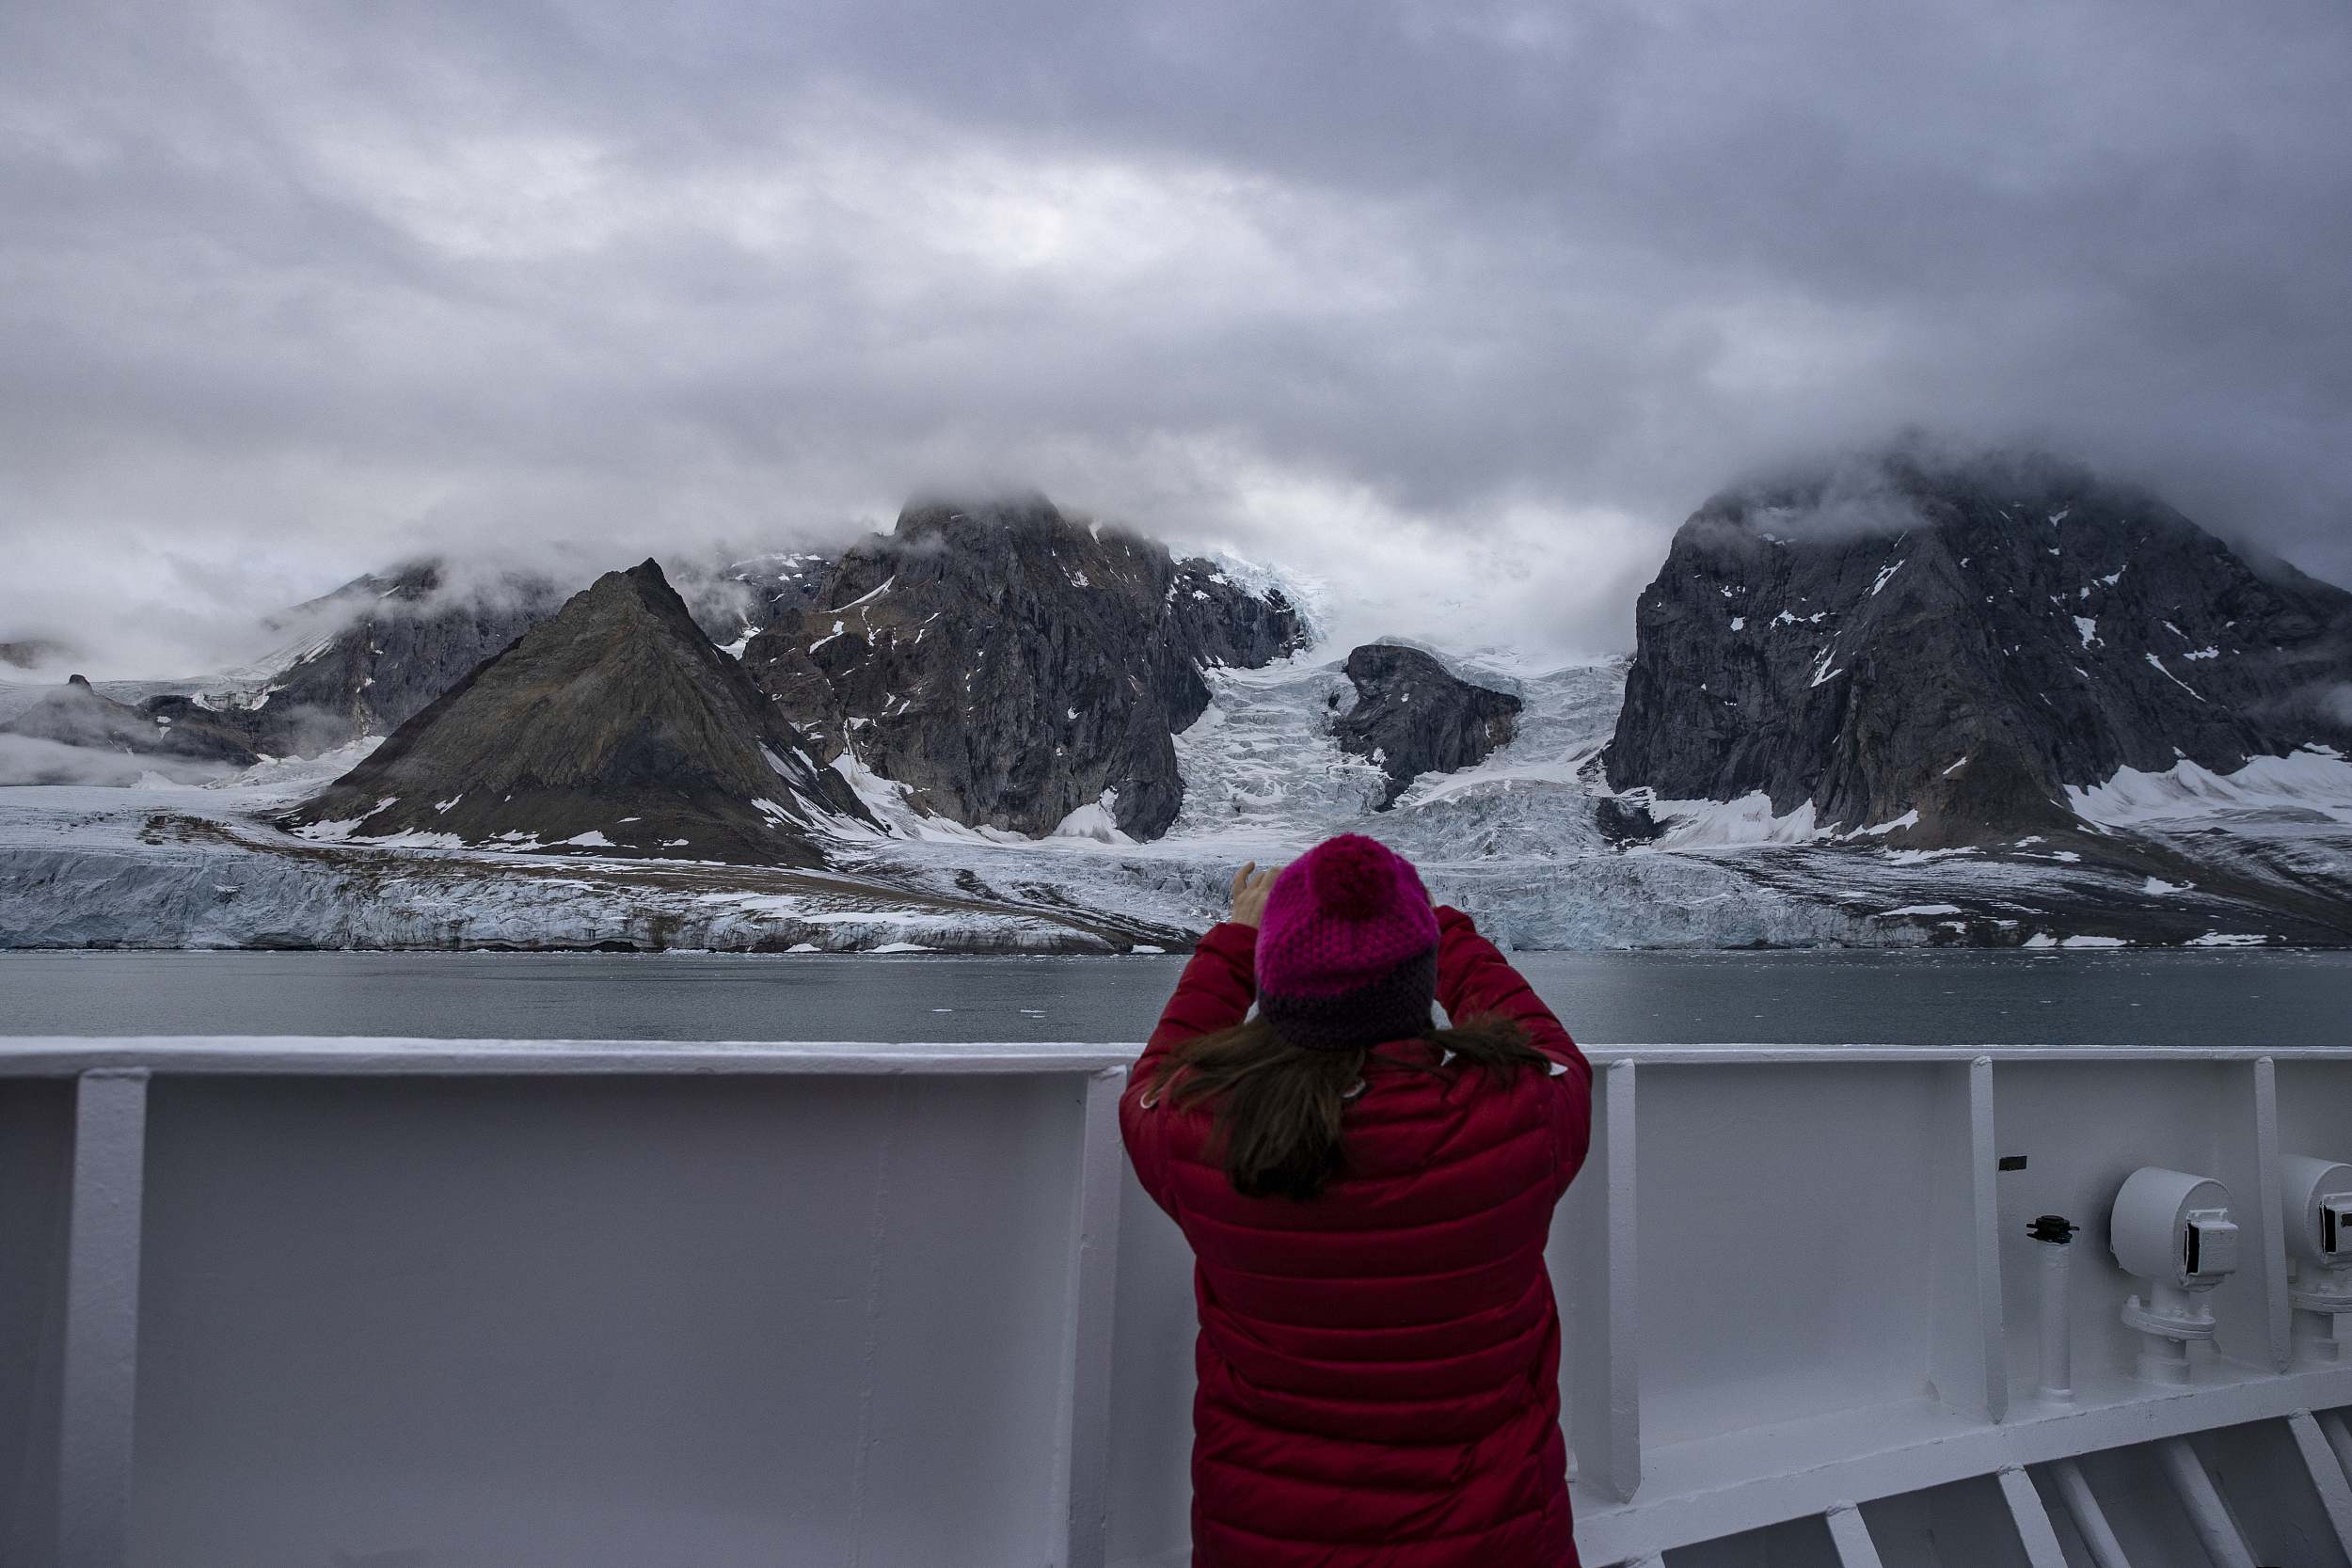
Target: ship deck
x: 393, y: 1304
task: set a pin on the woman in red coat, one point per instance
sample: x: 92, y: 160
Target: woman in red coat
x: 1368, y: 1199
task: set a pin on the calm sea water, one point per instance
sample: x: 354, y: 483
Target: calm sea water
x: 2165, y: 998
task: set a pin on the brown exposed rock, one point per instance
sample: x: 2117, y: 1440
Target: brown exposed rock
x: 613, y: 720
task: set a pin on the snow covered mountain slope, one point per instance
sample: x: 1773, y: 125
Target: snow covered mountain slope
x: 1940, y: 651
x: 1793, y: 806
x: 1534, y: 843
x: 1531, y: 841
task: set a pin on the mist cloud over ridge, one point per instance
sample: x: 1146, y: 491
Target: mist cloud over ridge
x: 1459, y: 308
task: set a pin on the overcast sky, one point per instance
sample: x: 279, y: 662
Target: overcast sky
x: 1460, y: 308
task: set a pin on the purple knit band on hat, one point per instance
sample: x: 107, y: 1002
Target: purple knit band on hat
x: 1392, y: 1008
x: 1348, y: 949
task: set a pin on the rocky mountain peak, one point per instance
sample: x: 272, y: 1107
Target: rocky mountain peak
x: 1010, y: 665
x: 613, y: 726
x: 384, y: 644
x: 1413, y: 716
x: 1963, y: 640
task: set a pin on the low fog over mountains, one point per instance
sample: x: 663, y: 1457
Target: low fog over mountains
x: 1995, y: 701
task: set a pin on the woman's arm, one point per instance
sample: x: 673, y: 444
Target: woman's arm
x: 1215, y: 991
x: 1475, y: 977
x: 1217, y: 986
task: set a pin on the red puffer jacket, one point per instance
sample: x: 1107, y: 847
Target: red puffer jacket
x: 1379, y: 1366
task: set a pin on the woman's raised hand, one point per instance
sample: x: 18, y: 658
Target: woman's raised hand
x: 1250, y: 888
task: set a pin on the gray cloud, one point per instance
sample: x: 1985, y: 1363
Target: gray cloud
x: 1458, y: 308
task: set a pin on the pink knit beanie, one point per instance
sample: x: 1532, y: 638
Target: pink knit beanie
x: 1348, y: 949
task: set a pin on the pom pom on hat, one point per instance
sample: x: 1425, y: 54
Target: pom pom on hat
x: 1350, y: 877
x: 1348, y: 949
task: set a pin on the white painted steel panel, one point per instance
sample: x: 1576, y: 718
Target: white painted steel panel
x: 506, y: 1323
x: 515, y: 1302
x: 1789, y: 1250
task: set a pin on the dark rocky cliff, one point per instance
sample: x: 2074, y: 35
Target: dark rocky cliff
x: 399, y: 642
x: 741, y: 598
x: 1010, y: 665
x: 1412, y: 717
x: 1964, y: 640
x: 1221, y: 622
x: 615, y: 724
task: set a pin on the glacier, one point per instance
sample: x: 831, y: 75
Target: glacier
x: 1517, y: 840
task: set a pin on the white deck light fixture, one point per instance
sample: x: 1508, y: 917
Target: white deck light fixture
x: 2054, y: 1235
x: 2316, y: 1196
x: 2173, y: 1230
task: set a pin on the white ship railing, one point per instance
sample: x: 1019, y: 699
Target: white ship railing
x: 414, y: 1304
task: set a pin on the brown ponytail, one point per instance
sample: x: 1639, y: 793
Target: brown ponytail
x: 1276, y: 1128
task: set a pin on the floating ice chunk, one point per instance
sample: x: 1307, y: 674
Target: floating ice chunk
x: 2094, y: 941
